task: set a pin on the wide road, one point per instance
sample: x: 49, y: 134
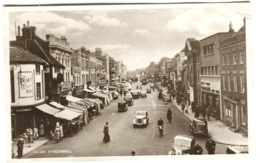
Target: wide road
x: 124, y: 138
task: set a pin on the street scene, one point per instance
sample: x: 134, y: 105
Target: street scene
x: 129, y: 82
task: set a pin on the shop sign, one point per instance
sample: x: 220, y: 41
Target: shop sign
x: 26, y: 84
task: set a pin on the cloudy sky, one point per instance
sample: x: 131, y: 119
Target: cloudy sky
x: 136, y: 35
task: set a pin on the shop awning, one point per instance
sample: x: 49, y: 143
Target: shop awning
x: 74, y: 109
x: 67, y: 114
x: 88, y: 90
x: 72, y: 99
x: 77, y: 106
x: 57, y: 105
x: 48, y: 109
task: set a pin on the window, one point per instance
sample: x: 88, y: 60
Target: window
x: 38, y: 70
x: 228, y: 59
x: 216, y: 70
x: 213, y: 70
x: 228, y: 82
x: 56, y: 69
x: 241, y: 58
x: 235, y: 82
x: 242, y: 83
x: 223, y: 82
x: 223, y: 60
x: 38, y: 91
x: 228, y: 111
x: 243, y: 115
x: 234, y: 58
x: 209, y: 49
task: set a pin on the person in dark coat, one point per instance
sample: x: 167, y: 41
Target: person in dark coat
x: 211, y: 146
x: 197, y: 111
x: 183, y: 106
x: 169, y: 115
x: 196, y: 150
x: 106, y: 133
x: 20, y: 146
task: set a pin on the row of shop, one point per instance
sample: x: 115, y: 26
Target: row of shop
x: 70, y: 111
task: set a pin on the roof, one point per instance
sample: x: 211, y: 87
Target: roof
x: 19, y: 55
x: 240, y: 32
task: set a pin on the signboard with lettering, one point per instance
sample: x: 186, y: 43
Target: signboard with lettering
x: 26, y: 84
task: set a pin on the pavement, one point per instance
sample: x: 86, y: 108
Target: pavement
x: 218, y: 131
x: 28, y: 147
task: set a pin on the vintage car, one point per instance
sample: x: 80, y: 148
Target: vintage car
x: 129, y: 99
x: 199, y: 127
x: 122, y: 106
x: 114, y: 93
x: 144, y: 81
x: 141, y: 118
x: 149, y: 90
x: 182, y: 144
x: 142, y: 94
x: 166, y: 97
x: 135, y: 94
x: 237, y: 149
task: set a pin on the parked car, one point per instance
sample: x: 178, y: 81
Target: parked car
x: 199, y: 127
x: 141, y: 118
x: 166, y: 97
x: 237, y: 149
x: 122, y: 106
x: 182, y: 144
x: 149, y: 90
x: 143, y: 94
x: 144, y: 81
x: 129, y: 99
x: 135, y: 94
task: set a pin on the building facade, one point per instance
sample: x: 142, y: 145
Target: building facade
x: 27, y: 81
x: 233, y: 81
x: 210, y: 71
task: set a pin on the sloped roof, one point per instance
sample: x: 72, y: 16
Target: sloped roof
x: 240, y: 32
x: 19, y: 55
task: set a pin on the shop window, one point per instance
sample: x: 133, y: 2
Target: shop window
x: 38, y: 91
x: 38, y: 70
x: 243, y: 115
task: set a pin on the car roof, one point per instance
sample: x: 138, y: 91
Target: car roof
x: 239, y: 148
x: 184, y: 137
x: 199, y: 120
x: 141, y: 111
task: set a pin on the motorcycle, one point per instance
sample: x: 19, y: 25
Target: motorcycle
x: 160, y: 130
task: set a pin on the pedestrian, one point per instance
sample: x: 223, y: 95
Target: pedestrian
x: 20, y: 144
x: 192, y: 107
x: 35, y: 133
x: 140, y: 87
x: 169, y: 115
x: 137, y: 87
x: 208, y: 113
x: 197, y: 112
x: 211, y: 146
x: 133, y: 153
x: 30, y: 135
x: 41, y: 130
x: 187, y: 108
x: 57, y: 133
x: 196, y: 150
x: 106, y: 133
x: 61, y: 131
x: 183, y: 106
x: 25, y: 137
x: 121, y: 92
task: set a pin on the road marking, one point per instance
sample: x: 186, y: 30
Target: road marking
x: 154, y: 105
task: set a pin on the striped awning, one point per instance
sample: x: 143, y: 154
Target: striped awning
x: 48, y: 109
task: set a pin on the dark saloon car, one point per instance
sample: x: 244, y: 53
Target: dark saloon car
x: 129, y: 99
x: 149, y: 90
x: 122, y: 106
x: 182, y: 144
x: 166, y: 97
x: 141, y: 118
x: 199, y: 127
x: 135, y: 94
x: 237, y: 149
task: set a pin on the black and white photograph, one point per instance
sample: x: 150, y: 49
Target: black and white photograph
x: 127, y: 80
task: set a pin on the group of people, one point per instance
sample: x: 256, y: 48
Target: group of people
x: 198, y: 150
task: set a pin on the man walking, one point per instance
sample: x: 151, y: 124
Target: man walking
x: 169, y: 115
x: 20, y: 146
x: 211, y: 146
x: 106, y: 133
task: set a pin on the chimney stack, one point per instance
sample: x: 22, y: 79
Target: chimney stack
x: 19, y: 31
x: 28, y: 23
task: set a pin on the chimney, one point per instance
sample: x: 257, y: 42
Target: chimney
x: 231, y: 27
x: 83, y: 49
x: 33, y: 30
x: 63, y: 38
x: 244, y: 20
x: 19, y: 30
x: 28, y: 23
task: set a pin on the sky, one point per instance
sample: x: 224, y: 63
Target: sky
x: 136, y: 35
